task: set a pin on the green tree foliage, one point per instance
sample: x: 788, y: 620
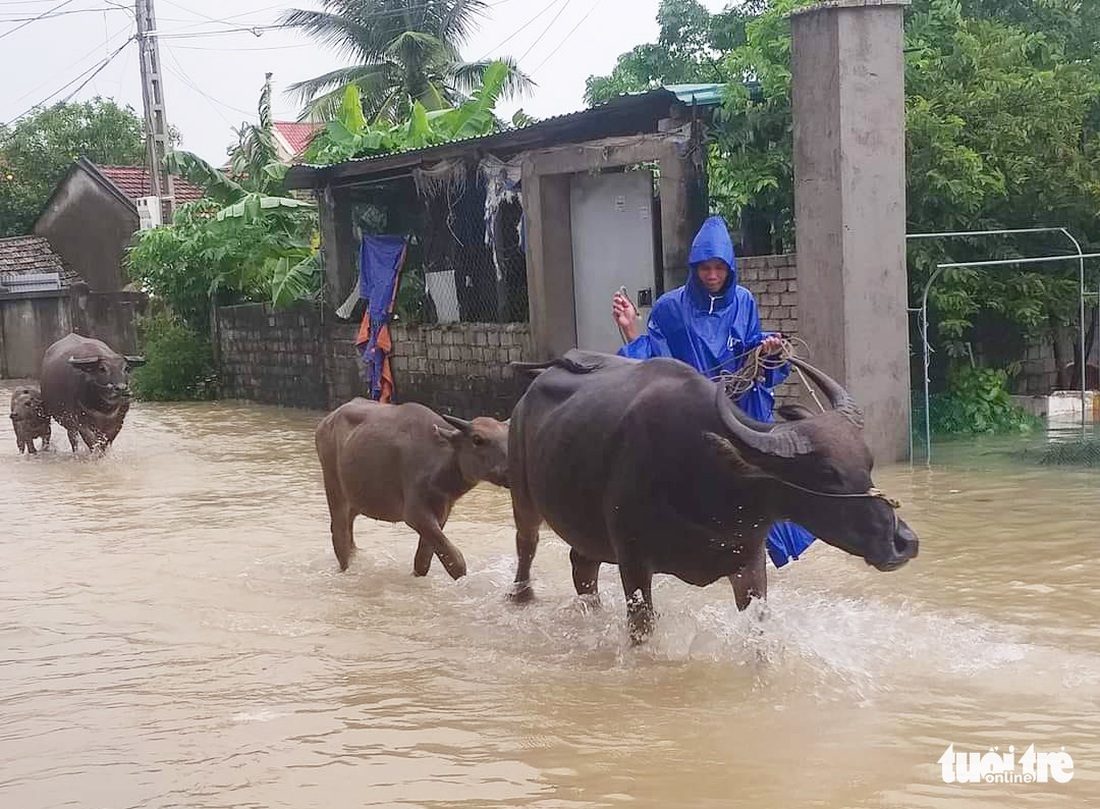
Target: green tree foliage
x: 404, y: 51
x: 351, y: 135
x: 1003, y: 114
x: 248, y: 240
x: 179, y: 362
x: 36, y: 152
x: 1001, y: 133
x: 688, y: 50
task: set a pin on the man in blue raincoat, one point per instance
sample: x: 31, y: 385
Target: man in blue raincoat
x: 712, y: 324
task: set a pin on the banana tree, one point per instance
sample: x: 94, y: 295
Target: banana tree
x: 351, y: 135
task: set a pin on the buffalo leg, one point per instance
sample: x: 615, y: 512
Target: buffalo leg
x: 751, y: 581
x: 586, y: 575
x: 637, y: 585
x: 425, y: 549
x: 422, y: 562
x: 527, y: 542
x: 341, y: 519
x: 428, y: 522
x: 21, y: 443
x: 96, y: 441
x: 73, y: 435
x: 46, y: 438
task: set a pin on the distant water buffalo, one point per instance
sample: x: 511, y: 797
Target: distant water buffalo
x: 406, y: 463
x: 647, y: 465
x: 29, y: 419
x: 86, y: 389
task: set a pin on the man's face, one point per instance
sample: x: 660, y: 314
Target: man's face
x: 712, y: 274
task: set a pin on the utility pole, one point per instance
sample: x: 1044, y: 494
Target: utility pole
x: 152, y: 96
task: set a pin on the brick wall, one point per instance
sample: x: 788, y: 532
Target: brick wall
x: 773, y: 281
x: 292, y: 358
x: 272, y: 357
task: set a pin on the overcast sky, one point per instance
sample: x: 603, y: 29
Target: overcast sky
x: 212, y: 79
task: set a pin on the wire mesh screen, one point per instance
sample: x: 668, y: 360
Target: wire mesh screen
x: 465, y: 260
x: 473, y: 260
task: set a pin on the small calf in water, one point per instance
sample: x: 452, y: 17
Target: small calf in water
x: 406, y: 463
x: 29, y: 419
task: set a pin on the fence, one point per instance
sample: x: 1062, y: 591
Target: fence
x: 31, y: 322
x: 465, y: 261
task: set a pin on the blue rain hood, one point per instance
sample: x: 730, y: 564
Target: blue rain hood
x: 712, y: 241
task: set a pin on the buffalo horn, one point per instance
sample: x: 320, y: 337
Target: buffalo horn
x: 455, y: 421
x: 840, y: 399
x: 777, y: 443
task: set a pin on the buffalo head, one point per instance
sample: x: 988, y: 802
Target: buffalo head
x: 481, y: 446
x: 821, y: 469
x: 106, y: 377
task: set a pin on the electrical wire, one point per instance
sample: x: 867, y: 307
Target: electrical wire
x: 519, y: 30
x: 41, y: 16
x: 545, y: 30
x: 94, y: 70
x: 565, y: 39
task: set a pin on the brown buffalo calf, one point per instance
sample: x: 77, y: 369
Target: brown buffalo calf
x: 405, y: 463
x: 29, y: 419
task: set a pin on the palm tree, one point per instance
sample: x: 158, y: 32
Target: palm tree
x: 404, y: 51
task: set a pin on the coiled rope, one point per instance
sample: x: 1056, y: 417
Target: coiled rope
x: 756, y: 365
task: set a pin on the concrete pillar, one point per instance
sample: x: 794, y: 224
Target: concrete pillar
x: 849, y: 167
x: 338, y: 248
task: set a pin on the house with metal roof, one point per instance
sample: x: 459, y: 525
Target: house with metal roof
x: 537, y: 225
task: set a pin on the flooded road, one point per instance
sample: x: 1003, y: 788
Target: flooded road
x: 174, y: 632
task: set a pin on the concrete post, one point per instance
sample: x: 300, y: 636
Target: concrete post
x: 849, y: 166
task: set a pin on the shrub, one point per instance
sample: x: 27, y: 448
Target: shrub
x: 179, y: 361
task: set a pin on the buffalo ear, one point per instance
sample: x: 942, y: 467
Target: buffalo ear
x: 794, y: 412
x: 84, y: 363
x: 134, y: 362
x: 726, y: 449
x: 446, y: 433
x: 461, y: 424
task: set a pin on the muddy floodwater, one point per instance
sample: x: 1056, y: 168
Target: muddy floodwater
x: 174, y: 632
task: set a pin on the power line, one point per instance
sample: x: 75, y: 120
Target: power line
x: 48, y: 16
x: 41, y: 16
x: 239, y: 50
x: 94, y: 70
x: 566, y: 38
x: 186, y: 79
x: 519, y: 30
x: 69, y: 67
x: 549, y: 25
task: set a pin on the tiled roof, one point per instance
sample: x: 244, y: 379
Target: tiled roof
x: 21, y: 255
x: 134, y: 182
x: 297, y: 134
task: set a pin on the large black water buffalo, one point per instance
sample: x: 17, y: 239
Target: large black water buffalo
x: 647, y: 465
x: 86, y: 389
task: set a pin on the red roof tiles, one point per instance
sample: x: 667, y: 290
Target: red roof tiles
x: 134, y: 182
x: 297, y: 134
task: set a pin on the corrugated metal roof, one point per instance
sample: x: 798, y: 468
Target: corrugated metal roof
x: 704, y: 95
x: 626, y: 104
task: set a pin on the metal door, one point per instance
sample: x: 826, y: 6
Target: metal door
x: 611, y: 216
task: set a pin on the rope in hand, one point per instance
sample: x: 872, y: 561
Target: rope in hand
x: 757, y: 364
x: 751, y: 373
